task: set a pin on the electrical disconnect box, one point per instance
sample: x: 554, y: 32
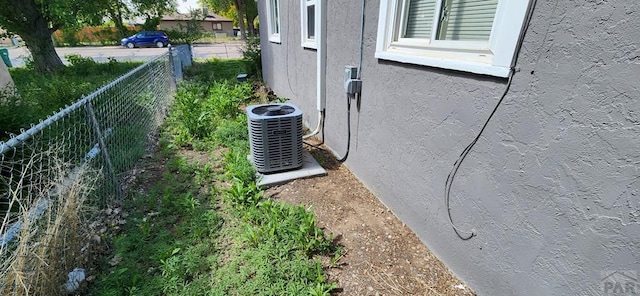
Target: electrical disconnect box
x: 352, y: 85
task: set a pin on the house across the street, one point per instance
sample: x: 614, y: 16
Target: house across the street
x: 214, y: 24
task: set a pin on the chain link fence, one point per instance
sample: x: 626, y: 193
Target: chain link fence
x: 76, y: 156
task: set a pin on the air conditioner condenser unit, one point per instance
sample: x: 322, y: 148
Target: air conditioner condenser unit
x: 275, y: 136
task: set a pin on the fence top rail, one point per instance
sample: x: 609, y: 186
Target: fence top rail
x: 26, y: 135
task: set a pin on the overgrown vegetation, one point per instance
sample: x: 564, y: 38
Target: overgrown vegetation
x: 205, y: 228
x: 39, y: 96
x: 252, y: 57
x: 53, y: 221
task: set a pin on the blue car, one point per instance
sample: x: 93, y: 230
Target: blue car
x: 146, y: 39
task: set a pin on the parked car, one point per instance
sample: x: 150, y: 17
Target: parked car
x: 146, y: 39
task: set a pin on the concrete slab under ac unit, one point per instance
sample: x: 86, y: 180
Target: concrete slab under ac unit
x: 310, y: 168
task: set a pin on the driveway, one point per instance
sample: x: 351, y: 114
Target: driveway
x: 102, y: 53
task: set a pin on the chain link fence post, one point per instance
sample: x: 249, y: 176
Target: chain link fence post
x: 103, y: 149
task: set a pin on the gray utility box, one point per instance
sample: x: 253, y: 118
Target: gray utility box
x: 275, y: 136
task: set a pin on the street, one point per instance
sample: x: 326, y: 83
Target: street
x: 102, y: 53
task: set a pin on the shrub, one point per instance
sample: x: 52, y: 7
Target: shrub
x: 252, y: 57
x: 199, y: 110
x: 80, y: 61
x: 188, y: 33
x: 69, y: 37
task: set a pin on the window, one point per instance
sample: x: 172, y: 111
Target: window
x: 476, y: 36
x: 273, y: 20
x: 217, y: 26
x: 308, y: 17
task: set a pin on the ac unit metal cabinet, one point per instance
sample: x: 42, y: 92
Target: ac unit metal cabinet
x: 275, y: 136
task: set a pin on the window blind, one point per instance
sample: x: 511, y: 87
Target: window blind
x: 419, y: 19
x: 467, y: 19
x: 276, y: 22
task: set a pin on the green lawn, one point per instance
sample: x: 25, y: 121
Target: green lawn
x: 42, y: 95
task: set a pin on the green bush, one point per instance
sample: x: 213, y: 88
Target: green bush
x: 80, y: 62
x: 251, y: 55
x: 189, y: 32
x: 199, y: 109
x: 69, y: 37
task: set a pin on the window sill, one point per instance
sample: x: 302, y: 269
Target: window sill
x: 311, y: 45
x: 274, y: 39
x: 445, y: 63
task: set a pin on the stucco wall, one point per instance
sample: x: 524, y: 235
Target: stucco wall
x: 552, y: 187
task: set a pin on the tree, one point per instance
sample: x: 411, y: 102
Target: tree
x: 223, y: 5
x: 192, y: 31
x: 153, y: 10
x: 251, y: 13
x: 36, y: 20
x: 116, y: 10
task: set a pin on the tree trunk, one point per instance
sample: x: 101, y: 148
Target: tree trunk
x: 25, y: 18
x: 115, y: 14
x: 251, y: 12
x: 250, y: 26
x: 40, y: 45
x: 240, y: 10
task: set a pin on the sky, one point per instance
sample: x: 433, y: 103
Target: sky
x: 185, y: 5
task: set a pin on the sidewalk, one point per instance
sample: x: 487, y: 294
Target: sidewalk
x: 18, y: 55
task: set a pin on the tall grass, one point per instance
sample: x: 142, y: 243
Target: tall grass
x: 51, y: 229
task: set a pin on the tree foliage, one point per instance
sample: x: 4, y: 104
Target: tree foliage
x: 246, y: 12
x: 150, y: 10
x: 189, y: 32
x: 36, y: 20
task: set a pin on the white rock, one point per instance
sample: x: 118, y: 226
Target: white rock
x: 76, y: 277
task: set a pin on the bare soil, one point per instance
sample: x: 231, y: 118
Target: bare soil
x: 382, y: 256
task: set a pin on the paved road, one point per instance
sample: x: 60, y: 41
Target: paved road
x: 102, y: 53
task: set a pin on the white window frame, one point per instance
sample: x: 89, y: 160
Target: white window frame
x: 273, y: 21
x: 304, y: 5
x: 489, y: 58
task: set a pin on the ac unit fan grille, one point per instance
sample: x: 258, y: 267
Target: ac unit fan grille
x: 276, y: 141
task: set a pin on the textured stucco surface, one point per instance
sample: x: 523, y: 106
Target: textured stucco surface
x: 551, y: 189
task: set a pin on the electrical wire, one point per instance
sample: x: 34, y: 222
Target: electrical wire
x: 346, y: 154
x: 456, y: 165
x: 356, y: 96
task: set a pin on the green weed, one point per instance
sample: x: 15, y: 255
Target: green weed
x: 181, y: 239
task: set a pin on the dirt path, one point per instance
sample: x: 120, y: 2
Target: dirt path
x: 382, y: 255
